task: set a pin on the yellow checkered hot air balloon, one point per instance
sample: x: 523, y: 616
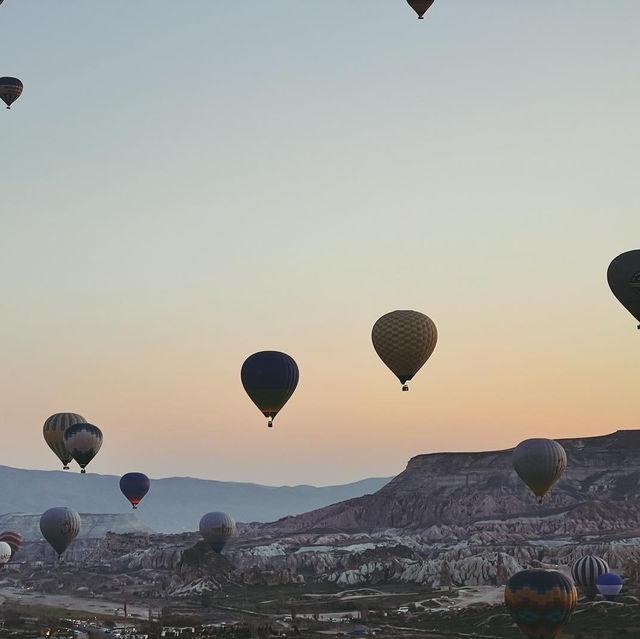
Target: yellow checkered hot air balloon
x: 53, y: 431
x: 404, y: 341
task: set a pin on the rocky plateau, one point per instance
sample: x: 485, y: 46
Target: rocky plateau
x: 449, y: 519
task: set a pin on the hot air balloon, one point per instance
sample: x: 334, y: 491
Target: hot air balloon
x: 404, y: 341
x: 623, y: 276
x: 420, y: 6
x: 217, y: 528
x: 83, y: 441
x: 5, y: 553
x: 540, y: 602
x: 585, y: 571
x: 134, y: 487
x: 10, y: 90
x: 53, y: 431
x: 14, y: 539
x: 609, y: 584
x: 539, y: 463
x: 60, y: 526
x: 269, y: 377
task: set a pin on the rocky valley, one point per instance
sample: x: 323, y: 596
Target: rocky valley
x: 448, y: 520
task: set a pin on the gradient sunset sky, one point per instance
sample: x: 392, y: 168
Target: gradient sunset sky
x: 186, y: 183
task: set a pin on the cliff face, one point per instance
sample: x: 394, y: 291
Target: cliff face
x: 462, y: 488
x: 448, y: 519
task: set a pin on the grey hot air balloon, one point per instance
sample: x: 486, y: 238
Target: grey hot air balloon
x: 53, y: 431
x: 83, y: 441
x: 623, y: 276
x: 217, y: 528
x: 539, y: 463
x: 60, y: 526
x: 404, y: 341
x: 585, y: 572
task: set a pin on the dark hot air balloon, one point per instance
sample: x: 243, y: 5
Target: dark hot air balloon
x: 404, y: 341
x: 53, y: 431
x: 10, y: 90
x: 134, y: 487
x: 217, y: 528
x: 623, y: 276
x: 609, y: 584
x: 540, y: 602
x: 83, y: 441
x: 585, y: 572
x: 420, y: 6
x: 60, y: 526
x: 14, y: 539
x: 269, y: 377
x: 539, y: 463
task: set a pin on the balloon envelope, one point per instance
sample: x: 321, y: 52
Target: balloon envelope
x: 540, y: 602
x: 10, y: 90
x: 609, y: 584
x: 623, y: 276
x: 269, y: 378
x: 14, y: 539
x: 83, y: 441
x: 404, y: 341
x: 5, y: 553
x: 60, y: 526
x: 585, y: 571
x: 539, y: 463
x: 217, y: 528
x: 53, y: 431
x: 420, y: 6
x: 134, y: 487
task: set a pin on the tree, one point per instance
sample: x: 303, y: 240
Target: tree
x: 445, y: 575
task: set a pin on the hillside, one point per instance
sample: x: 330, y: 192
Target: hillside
x: 458, y: 489
x: 173, y: 504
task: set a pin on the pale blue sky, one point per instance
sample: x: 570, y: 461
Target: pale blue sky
x: 187, y: 183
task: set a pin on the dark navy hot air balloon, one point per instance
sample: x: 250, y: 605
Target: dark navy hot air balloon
x: 540, y: 602
x: 623, y: 276
x: 134, y: 487
x: 10, y: 90
x: 609, y: 584
x: 269, y: 377
x: 217, y: 528
x: 420, y: 6
x: 83, y: 441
